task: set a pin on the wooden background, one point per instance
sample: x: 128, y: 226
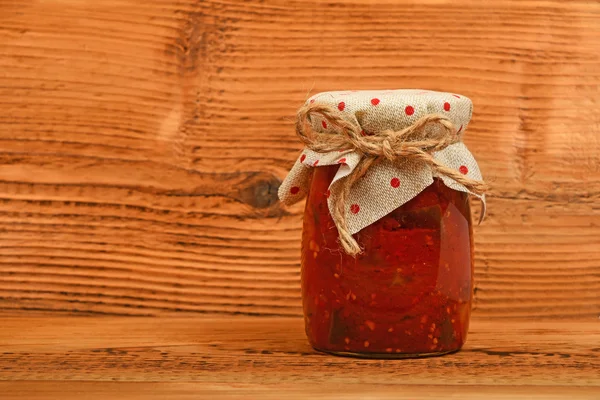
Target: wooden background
x: 141, y: 146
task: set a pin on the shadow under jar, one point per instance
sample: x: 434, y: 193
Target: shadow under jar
x: 408, y: 294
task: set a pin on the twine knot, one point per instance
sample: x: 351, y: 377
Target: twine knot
x: 429, y: 134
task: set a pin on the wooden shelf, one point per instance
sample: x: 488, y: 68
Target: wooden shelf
x: 257, y: 358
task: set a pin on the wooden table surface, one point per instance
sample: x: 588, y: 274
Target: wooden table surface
x: 141, y: 148
x: 258, y: 358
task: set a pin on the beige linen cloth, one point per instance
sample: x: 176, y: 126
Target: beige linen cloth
x: 387, y: 185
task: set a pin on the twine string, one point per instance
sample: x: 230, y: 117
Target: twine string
x: 415, y: 142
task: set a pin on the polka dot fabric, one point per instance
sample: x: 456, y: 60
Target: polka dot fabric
x: 377, y: 110
x: 387, y: 185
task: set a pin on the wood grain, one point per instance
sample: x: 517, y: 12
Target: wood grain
x: 141, y: 147
x: 257, y: 357
x: 39, y: 390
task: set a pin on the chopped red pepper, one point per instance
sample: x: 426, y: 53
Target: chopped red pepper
x: 408, y: 294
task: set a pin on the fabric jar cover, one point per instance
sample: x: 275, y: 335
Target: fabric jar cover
x: 386, y: 185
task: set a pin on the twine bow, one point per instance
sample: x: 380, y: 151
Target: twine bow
x: 414, y: 142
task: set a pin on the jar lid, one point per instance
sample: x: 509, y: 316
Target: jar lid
x: 388, y: 184
x: 379, y: 110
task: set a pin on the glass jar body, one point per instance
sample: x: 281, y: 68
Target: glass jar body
x: 408, y: 294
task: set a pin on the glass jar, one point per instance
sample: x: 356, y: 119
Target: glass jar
x: 408, y: 294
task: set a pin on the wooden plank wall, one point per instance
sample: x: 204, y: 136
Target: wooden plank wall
x: 141, y: 145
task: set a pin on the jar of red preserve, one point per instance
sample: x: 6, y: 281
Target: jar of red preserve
x: 387, y: 241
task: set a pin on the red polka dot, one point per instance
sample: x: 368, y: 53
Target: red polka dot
x: 409, y: 110
x: 457, y: 96
x: 316, y: 163
x: 375, y: 101
x: 324, y: 123
x: 463, y: 170
x: 341, y: 106
x: 341, y: 161
x: 303, y: 157
x: 354, y: 208
x: 312, y: 101
x: 294, y: 190
x: 395, y: 182
x: 328, y: 193
x: 363, y: 133
x: 459, y: 130
x: 447, y: 106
